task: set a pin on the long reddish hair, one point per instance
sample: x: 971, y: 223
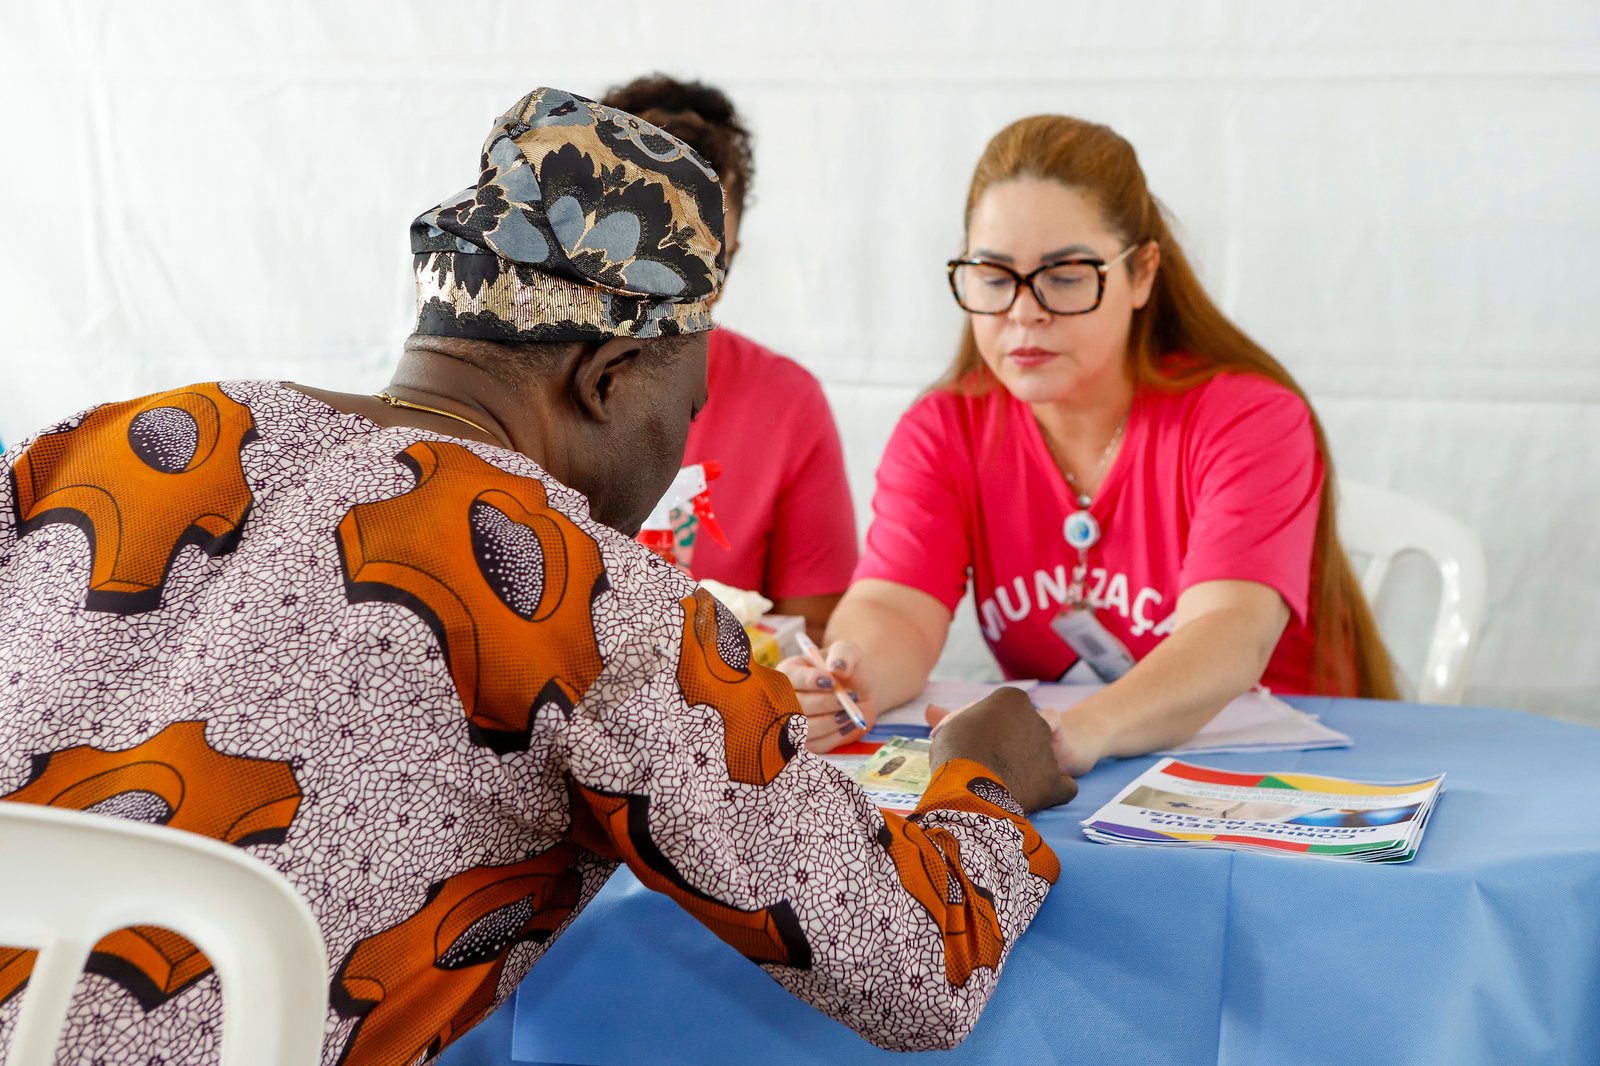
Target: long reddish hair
x: 1179, y: 317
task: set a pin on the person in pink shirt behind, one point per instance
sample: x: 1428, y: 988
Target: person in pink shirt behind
x: 1137, y: 492
x: 782, y: 498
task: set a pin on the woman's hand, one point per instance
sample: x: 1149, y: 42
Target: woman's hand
x: 1076, y: 746
x: 828, y: 725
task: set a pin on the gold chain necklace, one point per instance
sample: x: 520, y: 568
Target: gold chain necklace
x: 395, y: 401
x: 1084, y: 499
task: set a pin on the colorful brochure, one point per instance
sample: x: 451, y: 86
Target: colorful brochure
x: 1179, y: 804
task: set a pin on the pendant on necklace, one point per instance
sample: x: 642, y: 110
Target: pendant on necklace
x: 1081, y: 530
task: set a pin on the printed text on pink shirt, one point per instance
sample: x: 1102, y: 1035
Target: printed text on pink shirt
x: 1015, y: 600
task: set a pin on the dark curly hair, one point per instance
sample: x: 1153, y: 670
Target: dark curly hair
x: 700, y: 115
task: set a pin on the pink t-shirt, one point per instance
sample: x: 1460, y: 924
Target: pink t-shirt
x: 783, y: 498
x: 1221, y: 481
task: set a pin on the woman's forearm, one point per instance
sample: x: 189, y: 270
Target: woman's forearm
x: 1174, y: 690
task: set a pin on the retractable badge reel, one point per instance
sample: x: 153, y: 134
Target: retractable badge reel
x: 1076, y: 624
x: 1082, y: 532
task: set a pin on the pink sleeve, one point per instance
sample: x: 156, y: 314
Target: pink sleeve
x: 1257, y: 480
x: 813, y: 546
x: 918, y: 535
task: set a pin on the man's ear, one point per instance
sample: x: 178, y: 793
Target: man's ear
x: 595, y: 373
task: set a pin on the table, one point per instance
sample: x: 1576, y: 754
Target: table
x: 1484, y: 949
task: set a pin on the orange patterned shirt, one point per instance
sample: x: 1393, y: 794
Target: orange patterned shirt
x: 414, y: 676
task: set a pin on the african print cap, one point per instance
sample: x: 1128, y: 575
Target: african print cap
x: 585, y: 223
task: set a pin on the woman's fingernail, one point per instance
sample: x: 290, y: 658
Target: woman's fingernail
x: 837, y: 664
x: 855, y: 695
x: 824, y: 682
x: 842, y: 719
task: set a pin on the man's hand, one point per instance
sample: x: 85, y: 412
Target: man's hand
x: 1004, y: 732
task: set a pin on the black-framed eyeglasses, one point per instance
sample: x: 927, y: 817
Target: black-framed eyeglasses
x: 1066, y: 287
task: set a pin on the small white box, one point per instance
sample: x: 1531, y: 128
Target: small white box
x: 774, y: 637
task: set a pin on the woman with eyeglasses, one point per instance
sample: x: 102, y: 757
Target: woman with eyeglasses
x: 1137, y: 492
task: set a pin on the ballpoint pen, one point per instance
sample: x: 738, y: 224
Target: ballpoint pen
x: 809, y: 649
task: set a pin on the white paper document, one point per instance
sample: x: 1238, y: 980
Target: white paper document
x: 1256, y: 721
x: 952, y: 695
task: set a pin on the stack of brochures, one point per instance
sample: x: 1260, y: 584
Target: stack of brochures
x: 1179, y: 804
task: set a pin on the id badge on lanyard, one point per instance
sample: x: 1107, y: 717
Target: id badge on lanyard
x: 1076, y: 623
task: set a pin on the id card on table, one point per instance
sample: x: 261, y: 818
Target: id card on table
x: 894, y: 776
x: 901, y: 765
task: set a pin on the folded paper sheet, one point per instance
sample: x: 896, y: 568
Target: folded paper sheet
x: 1255, y: 721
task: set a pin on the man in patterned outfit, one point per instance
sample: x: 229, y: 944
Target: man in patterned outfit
x: 402, y: 649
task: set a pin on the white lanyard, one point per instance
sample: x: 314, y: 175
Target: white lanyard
x: 1076, y: 624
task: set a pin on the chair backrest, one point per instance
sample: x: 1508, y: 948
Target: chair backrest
x: 1380, y: 525
x: 71, y: 878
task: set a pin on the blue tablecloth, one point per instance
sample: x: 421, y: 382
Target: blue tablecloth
x: 1484, y: 949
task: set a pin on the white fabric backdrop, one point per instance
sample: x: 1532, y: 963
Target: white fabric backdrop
x: 1398, y: 200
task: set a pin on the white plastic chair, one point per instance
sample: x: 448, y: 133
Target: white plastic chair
x: 71, y: 878
x: 1380, y: 525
